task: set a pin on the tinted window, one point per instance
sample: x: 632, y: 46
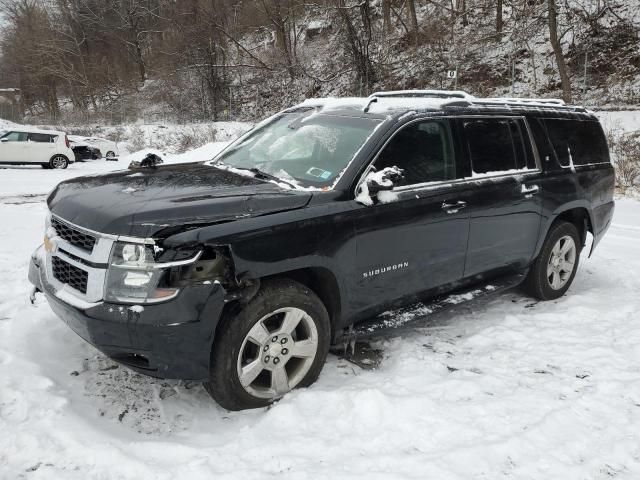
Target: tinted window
x: 522, y: 145
x: 16, y: 137
x: 580, y: 141
x: 490, y: 144
x: 423, y: 150
x: 545, y: 150
x: 40, y: 137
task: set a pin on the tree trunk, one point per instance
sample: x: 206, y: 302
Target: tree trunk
x: 462, y: 9
x: 386, y: 16
x: 557, y: 50
x: 499, y: 21
x: 414, y: 20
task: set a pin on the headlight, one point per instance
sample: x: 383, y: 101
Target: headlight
x: 135, y: 277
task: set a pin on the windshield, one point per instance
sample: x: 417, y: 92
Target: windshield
x: 305, y: 148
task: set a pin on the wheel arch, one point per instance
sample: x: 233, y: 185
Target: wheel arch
x: 577, y: 213
x: 320, y: 280
x: 59, y: 155
x: 323, y: 283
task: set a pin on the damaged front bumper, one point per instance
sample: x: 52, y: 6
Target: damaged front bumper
x: 168, y: 340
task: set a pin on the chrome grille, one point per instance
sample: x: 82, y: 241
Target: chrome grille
x: 69, y: 274
x: 73, y: 236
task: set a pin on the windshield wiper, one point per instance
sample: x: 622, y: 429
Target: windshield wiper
x: 260, y: 174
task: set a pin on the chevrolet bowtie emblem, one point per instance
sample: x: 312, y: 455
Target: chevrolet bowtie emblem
x: 49, y: 246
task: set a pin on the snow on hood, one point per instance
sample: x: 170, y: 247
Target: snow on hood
x: 142, y: 202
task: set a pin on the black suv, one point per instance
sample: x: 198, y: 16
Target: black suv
x: 241, y: 271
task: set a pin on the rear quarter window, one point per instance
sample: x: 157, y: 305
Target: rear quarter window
x: 577, y: 142
x: 41, y: 138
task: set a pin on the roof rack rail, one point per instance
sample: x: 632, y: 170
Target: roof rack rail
x: 552, y: 101
x: 515, y: 102
x: 422, y: 94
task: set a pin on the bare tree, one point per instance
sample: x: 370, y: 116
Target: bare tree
x: 557, y: 50
x: 359, y: 43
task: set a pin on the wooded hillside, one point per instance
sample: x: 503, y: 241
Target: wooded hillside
x: 116, y: 60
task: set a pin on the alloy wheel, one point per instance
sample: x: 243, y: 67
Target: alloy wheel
x: 277, y: 353
x: 58, y: 162
x: 561, y: 262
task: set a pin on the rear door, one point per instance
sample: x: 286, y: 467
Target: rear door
x: 40, y: 147
x: 416, y: 238
x: 505, y: 209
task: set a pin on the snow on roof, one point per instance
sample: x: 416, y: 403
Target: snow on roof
x: 385, y: 102
x: 26, y: 128
x: 335, y: 103
x: 379, y: 105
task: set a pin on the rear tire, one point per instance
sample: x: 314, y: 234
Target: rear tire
x: 59, y: 162
x: 553, y: 271
x: 279, y: 341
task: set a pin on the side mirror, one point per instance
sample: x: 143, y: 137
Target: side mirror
x: 4, y: 140
x: 376, y: 182
x: 385, y: 179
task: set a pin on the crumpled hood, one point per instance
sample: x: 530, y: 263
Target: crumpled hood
x: 143, y: 202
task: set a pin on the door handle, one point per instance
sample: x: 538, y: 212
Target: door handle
x: 529, y: 191
x: 453, y: 207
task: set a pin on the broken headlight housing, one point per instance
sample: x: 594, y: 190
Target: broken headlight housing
x: 134, y: 276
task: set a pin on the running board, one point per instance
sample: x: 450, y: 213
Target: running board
x: 414, y: 315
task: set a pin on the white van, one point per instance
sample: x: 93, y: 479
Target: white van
x: 48, y: 148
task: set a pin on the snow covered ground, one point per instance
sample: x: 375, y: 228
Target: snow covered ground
x: 509, y: 389
x: 34, y: 181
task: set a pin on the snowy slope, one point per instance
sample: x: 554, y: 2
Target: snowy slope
x: 4, y: 124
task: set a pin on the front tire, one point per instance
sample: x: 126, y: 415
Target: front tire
x: 553, y: 271
x: 59, y: 162
x: 279, y: 341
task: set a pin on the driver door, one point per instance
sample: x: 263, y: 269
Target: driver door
x: 12, y: 147
x: 417, y: 241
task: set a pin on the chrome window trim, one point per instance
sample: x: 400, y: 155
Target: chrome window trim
x: 456, y: 181
x: 576, y: 166
x: 463, y: 181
